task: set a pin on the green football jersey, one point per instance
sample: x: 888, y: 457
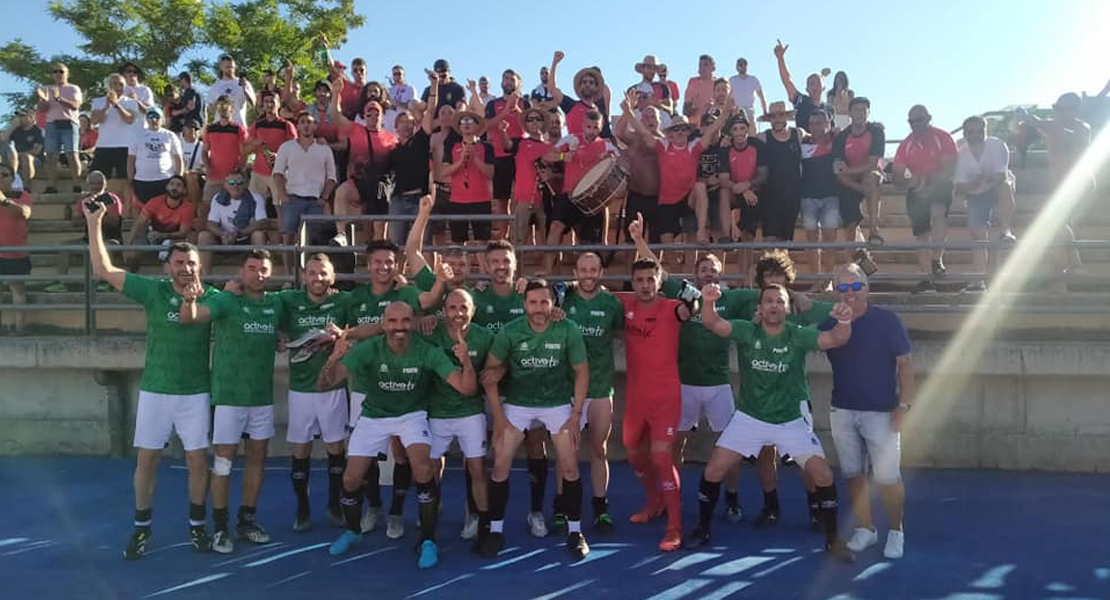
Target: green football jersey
x: 540, y: 373
x: 598, y: 318
x: 364, y: 306
x: 446, y: 402
x: 396, y: 384
x: 494, y: 312
x: 703, y: 355
x: 176, y: 360
x: 303, y: 315
x: 773, y: 381
x: 246, y: 340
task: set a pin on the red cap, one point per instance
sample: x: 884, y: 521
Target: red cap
x: 339, y: 65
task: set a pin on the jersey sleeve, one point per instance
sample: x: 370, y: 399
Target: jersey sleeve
x: 839, y: 143
x: 743, y: 332
x: 359, y: 355
x: 448, y: 151
x: 806, y: 337
x: 576, y: 344
x: 411, y: 296
x: 220, y: 305
x: 618, y: 313
x: 567, y: 104
x: 900, y: 344
x: 491, y: 109
x: 424, y: 279
x: 138, y: 288
x: 815, y: 315
x: 487, y: 152
x: 437, y: 360
x: 499, y: 348
x: 733, y: 303
x: 670, y: 287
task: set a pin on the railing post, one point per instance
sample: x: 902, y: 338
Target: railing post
x: 302, y: 240
x: 90, y: 300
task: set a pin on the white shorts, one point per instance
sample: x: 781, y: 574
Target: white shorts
x: 317, y: 413
x: 356, y: 410
x: 371, y: 436
x: 551, y: 417
x: 158, y: 415
x: 471, y: 432
x: 231, y: 422
x: 714, y: 401
x: 746, y: 435
x: 586, y: 409
x: 862, y: 437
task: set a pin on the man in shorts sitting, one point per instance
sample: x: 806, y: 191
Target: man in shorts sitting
x: 237, y: 217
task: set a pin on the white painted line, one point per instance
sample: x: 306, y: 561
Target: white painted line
x: 442, y: 585
x: 778, y: 566
x: 733, y: 567
x: 276, y: 557
x: 994, y: 578
x: 515, y: 559
x: 594, y: 555
x: 681, y: 590
x: 872, y: 571
x: 288, y: 579
x: 726, y: 590
x: 10, y: 541
x: 565, y: 591
x: 363, y: 555
x: 548, y: 567
x: 36, y: 546
x: 189, y: 584
x: 687, y: 561
x: 647, y: 561
x: 250, y: 555
x: 170, y: 547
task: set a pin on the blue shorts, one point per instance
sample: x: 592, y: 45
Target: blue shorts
x: 980, y: 207
x: 821, y: 212
x: 294, y: 208
x: 60, y: 136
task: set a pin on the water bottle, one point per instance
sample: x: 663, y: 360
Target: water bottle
x: 560, y: 293
x: 688, y: 292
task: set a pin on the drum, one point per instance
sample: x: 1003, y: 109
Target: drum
x: 604, y: 183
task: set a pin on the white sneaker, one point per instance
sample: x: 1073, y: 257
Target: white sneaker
x: 862, y: 539
x: 369, y: 520
x: 470, y: 528
x: 537, y: 525
x: 339, y: 240
x: 221, y: 543
x: 394, y: 527
x: 895, y: 544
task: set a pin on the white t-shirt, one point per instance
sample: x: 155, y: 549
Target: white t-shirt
x: 142, y: 94
x: 994, y: 159
x: 153, y: 151
x: 235, y: 92
x: 401, y: 95
x: 743, y: 91
x: 225, y: 215
x: 192, y: 161
x: 113, y: 131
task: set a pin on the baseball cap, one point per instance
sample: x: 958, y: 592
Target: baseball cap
x: 155, y: 111
x: 441, y: 65
x: 339, y: 65
x: 192, y: 124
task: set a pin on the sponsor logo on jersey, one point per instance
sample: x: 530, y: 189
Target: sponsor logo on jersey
x: 173, y: 301
x: 536, y: 362
x: 594, y: 331
x: 551, y: 346
x: 758, y: 345
x: 173, y: 317
x: 397, y: 386
x: 782, y: 350
x: 629, y: 314
x: 524, y: 346
x: 597, y: 313
x: 410, y: 370
x: 255, y: 327
x: 383, y: 369
x: 267, y: 311
x: 489, y: 309
x: 766, y: 366
x: 573, y: 310
x: 516, y: 311
x: 314, y: 320
x: 366, y: 319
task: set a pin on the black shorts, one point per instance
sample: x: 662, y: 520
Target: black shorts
x: 504, y: 173
x: 644, y: 205
x: 145, y: 190
x: 779, y: 212
x: 668, y: 218
x: 15, y: 266
x: 919, y: 207
x: 750, y: 216
x: 850, y: 213
x: 588, y: 227
x: 460, y: 229
x: 110, y: 161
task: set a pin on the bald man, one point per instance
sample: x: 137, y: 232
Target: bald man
x: 399, y: 372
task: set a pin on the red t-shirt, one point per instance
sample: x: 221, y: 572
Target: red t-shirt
x: 88, y: 140
x: 498, y: 106
x: 164, y: 219
x: 674, y: 91
x: 585, y: 156
x: 678, y: 170
x: 13, y: 227
x: 651, y: 353
x: 926, y: 154
x: 225, y: 145
x: 273, y: 134
x: 363, y: 142
x: 742, y: 164
x: 468, y: 184
x: 349, y: 97
x: 528, y: 151
x: 576, y: 116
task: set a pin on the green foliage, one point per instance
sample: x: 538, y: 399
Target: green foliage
x: 166, y: 36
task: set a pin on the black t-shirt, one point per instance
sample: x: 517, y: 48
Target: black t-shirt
x: 710, y: 161
x: 783, y: 161
x: 449, y: 93
x: 804, y: 109
x: 818, y: 178
x: 25, y: 139
x: 177, y: 123
x: 409, y: 163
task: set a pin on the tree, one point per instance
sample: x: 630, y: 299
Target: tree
x: 158, y: 35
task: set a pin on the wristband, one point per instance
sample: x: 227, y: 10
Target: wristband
x: 844, y: 322
x: 904, y: 406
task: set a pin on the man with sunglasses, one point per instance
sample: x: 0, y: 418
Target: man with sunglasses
x: 745, y: 88
x: 62, y: 102
x: 400, y: 93
x: 925, y: 164
x: 152, y: 158
x: 237, y: 216
x: 450, y: 91
x: 593, y: 97
x: 873, y: 390
x: 508, y: 109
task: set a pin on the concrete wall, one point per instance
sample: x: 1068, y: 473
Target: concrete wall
x: 1020, y: 406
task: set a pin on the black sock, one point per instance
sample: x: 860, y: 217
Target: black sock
x: 428, y: 503
x: 811, y: 500
x: 498, y: 499
x: 143, y: 518
x: 299, y: 476
x: 402, y: 479
x: 537, y: 477
x: 732, y: 499
x: 827, y: 510
x: 708, y: 492
x: 771, y: 501
x: 483, y: 522
x: 372, y: 485
x: 336, y: 465
x: 197, y: 515
x: 471, y: 505
x: 350, y: 502
x: 219, y: 516
x: 601, y: 505
x: 246, y: 514
x: 572, y: 500
x: 557, y: 504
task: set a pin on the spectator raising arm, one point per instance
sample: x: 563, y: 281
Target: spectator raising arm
x: 101, y: 263
x: 784, y: 73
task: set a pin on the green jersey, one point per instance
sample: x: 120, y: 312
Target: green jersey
x: 773, y: 380
x: 446, y: 402
x: 364, y: 306
x: 494, y: 312
x: 598, y: 318
x: 749, y: 304
x: 703, y: 356
x: 396, y: 384
x: 303, y: 315
x: 539, y: 364
x: 176, y: 355
x: 246, y: 340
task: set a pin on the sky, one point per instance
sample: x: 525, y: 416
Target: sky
x: 956, y: 57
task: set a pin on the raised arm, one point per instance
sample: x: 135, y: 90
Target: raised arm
x: 434, y: 297
x: 784, y: 72
x: 709, y: 317
x: 636, y: 232
x: 839, y: 335
x: 711, y: 136
x: 553, y: 87
x: 101, y: 263
x: 414, y: 245
x: 637, y: 126
x: 341, y: 120
x: 464, y: 381
x: 191, y: 312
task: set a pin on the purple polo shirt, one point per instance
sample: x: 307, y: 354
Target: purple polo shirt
x: 865, y: 375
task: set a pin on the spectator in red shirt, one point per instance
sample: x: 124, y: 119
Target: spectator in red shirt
x: 88, y: 140
x: 593, y: 97
x: 15, y: 210
x: 223, y: 145
x: 166, y: 220
x: 528, y: 152
x: 858, y: 150
x: 699, y: 90
x: 369, y: 149
x: 469, y: 163
x: 267, y: 134
x: 925, y: 164
x: 505, y: 111
x: 96, y: 192
x: 661, y: 71
x: 743, y: 174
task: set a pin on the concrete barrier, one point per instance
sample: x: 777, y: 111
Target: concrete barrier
x: 1019, y: 406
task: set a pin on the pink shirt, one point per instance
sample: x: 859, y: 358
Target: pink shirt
x: 56, y: 111
x: 699, y: 93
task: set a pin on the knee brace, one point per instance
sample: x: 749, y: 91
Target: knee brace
x: 221, y: 467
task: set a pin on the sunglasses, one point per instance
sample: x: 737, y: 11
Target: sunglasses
x: 468, y: 120
x: 235, y: 182
x: 153, y: 117
x: 855, y: 286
